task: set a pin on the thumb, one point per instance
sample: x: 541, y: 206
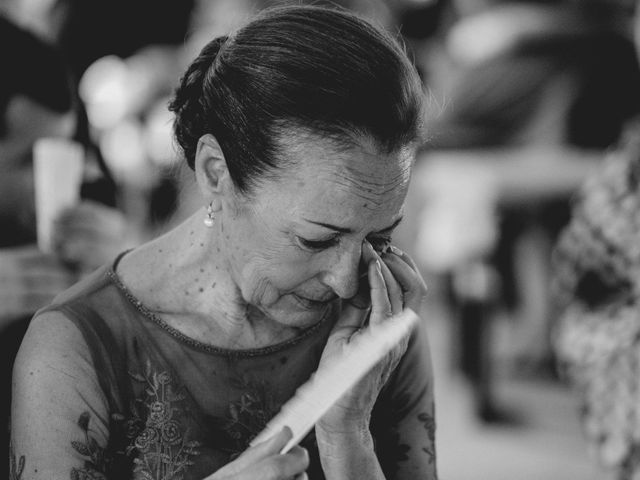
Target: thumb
x: 265, y: 449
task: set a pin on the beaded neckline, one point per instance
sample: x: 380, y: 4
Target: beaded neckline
x: 196, y: 344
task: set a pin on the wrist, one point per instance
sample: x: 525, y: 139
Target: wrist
x: 345, y: 421
x: 348, y: 454
x: 339, y: 440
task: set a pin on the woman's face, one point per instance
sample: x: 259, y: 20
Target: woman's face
x: 296, y: 245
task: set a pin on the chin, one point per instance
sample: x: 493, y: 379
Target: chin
x: 293, y: 312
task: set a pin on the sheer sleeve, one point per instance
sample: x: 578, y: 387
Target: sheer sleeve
x: 404, y: 417
x: 59, y: 421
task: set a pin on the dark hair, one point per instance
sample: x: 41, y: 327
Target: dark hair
x: 315, y: 69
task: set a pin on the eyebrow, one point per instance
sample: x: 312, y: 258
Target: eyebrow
x: 348, y: 230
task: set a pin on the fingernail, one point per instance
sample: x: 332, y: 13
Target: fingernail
x: 378, y: 266
x: 395, y: 250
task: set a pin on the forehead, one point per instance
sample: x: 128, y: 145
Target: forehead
x: 337, y: 183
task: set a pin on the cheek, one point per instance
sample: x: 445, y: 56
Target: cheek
x: 265, y: 280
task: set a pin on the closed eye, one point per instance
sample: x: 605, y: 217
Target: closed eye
x: 317, y: 245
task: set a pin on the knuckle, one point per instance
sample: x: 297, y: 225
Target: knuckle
x: 302, y: 456
x: 272, y: 470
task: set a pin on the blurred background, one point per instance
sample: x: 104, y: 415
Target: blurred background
x: 524, y: 100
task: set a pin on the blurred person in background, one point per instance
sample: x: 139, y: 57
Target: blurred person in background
x: 538, y: 92
x: 597, y: 287
x: 36, y: 101
x: 301, y: 128
x: 596, y: 266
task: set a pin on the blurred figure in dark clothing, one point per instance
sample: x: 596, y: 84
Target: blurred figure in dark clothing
x: 37, y: 99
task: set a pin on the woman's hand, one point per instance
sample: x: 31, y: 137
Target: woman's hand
x: 264, y: 461
x: 29, y: 279
x: 88, y: 235
x: 394, y: 284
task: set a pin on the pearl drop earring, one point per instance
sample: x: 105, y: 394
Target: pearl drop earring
x: 208, y: 220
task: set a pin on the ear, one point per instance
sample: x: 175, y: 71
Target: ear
x: 211, y: 171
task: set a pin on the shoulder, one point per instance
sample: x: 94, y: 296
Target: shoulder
x: 54, y: 383
x: 96, y: 305
x: 70, y: 339
x: 52, y: 340
x: 83, y: 288
x: 55, y: 363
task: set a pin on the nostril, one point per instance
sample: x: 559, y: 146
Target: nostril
x: 345, y: 286
x: 343, y: 272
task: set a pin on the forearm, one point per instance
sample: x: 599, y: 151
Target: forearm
x: 348, y: 455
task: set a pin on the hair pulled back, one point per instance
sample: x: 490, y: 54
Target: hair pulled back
x: 321, y: 70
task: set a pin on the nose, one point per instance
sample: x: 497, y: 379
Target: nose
x: 342, y: 272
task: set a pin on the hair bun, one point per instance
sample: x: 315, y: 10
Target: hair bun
x: 190, y: 122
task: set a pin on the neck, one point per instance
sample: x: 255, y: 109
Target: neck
x: 187, y: 281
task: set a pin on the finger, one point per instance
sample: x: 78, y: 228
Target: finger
x: 265, y: 449
x: 399, y: 253
x: 291, y: 464
x: 281, y: 467
x: 362, y: 299
x: 380, y: 305
x: 368, y: 252
x: 394, y: 291
x: 410, y: 281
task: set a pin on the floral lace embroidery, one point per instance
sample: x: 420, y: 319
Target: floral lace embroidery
x: 95, y: 467
x: 429, y: 424
x: 250, y: 414
x: 389, y: 446
x: 164, y: 452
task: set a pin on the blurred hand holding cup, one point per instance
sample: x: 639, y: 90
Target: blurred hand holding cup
x: 58, y: 170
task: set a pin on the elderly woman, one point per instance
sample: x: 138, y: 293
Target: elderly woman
x: 301, y: 128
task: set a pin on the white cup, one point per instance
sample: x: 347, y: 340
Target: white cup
x: 58, y: 165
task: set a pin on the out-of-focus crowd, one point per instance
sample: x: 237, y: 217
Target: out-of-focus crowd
x: 524, y: 100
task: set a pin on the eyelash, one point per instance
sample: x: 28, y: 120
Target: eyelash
x: 317, y: 245
x: 379, y: 244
